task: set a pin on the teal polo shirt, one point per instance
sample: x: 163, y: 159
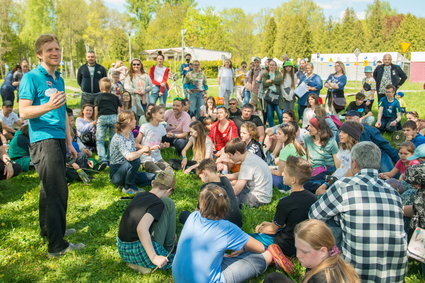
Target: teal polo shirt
x: 51, y: 125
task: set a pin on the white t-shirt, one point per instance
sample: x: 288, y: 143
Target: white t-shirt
x: 345, y: 157
x: 158, y: 75
x: 9, y: 121
x: 307, y: 115
x: 152, y: 136
x: 257, y: 173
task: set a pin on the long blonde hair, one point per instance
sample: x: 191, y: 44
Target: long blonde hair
x: 199, y: 150
x: 317, y: 234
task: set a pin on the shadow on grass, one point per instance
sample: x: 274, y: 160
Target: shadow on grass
x: 13, y: 189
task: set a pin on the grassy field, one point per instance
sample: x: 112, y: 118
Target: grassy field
x: 95, y: 211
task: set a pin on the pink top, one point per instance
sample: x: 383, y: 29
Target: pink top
x: 401, y: 166
x: 177, y: 126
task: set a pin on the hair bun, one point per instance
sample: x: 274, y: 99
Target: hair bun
x: 159, y: 52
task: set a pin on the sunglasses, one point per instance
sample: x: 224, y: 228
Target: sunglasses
x: 178, y: 99
x: 136, y: 64
x: 232, y: 103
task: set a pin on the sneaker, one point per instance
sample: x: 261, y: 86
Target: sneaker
x: 127, y: 191
x: 280, y: 259
x: 140, y: 269
x: 70, y: 231
x: 103, y: 166
x: 70, y: 248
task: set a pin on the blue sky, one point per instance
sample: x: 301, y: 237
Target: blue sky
x: 333, y: 8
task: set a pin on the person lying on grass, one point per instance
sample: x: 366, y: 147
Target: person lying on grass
x: 317, y: 251
x: 290, y: 210
x: 148, y: 226
x: 200, y: 256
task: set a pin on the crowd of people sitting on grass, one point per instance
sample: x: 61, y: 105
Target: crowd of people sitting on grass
x: 351, y: 199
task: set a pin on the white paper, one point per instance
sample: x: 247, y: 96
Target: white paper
x: 301, y: 90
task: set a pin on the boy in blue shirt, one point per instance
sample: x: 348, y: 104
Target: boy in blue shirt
x: 389, y: 112
x: 410, y: 131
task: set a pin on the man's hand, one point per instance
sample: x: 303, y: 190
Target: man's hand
x: 378, y: 124
x: 170, y: 135
x: 8, y: 170
x: 56, y: 100
x: 72, y: 152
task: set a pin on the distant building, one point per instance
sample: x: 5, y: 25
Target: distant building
x: 417, y: 67
x: 200, y: 54
x: 324, y: 63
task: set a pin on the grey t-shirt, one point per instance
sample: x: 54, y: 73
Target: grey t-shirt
x: 257, y: 173
x: 120, y: 147
x: 91, y: 70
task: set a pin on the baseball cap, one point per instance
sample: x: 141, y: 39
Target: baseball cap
x: 368, y: 69
x: 257, y: 59
x: 419, y: 152
x: 352, y: 113
x: 7, y: 103
x: 166, y: 178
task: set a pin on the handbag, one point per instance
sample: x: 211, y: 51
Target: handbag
x: 89, y: 138
x: 416, y: 248
x: 271, y: 97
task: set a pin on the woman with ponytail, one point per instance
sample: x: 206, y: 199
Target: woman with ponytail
x: 125, y: 159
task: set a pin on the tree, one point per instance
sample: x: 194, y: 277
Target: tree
x: 70, y: 30
x: 94, y: 34
x: 165, y: 29
x: 411, y: 30
x: 142, y: 12
x: 375, y: 25
x: 269, y: 37
x: 38, y: 19
x: 240, y: 30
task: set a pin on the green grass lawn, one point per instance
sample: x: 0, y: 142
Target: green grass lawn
x: 95, y: 211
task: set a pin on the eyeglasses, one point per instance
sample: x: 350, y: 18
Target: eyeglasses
x: 136, y: 64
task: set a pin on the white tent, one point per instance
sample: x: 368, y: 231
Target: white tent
x: 278, y: 62
x: 354, y: 66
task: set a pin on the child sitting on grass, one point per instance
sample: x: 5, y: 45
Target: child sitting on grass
x: 410, y: 131
x: 201, y: 145
x: 207, y: 172
x: 148, y: 226
x: 150, y: 134
x: 389, y: 112
x: 406, y: 150
x: 290, y: 210
x: 205, y: 238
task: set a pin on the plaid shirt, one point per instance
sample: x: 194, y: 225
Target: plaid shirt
x: 369, y: 212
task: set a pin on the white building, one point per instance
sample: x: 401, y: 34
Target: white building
x: 200, y: 54
x: 354, y: 66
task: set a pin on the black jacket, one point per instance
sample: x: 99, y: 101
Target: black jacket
x: 87, y: 83
x: 398, y: 77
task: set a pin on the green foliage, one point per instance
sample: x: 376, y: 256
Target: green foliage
x: 269, y: 37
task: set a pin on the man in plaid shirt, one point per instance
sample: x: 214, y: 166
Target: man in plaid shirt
x: 369, y: 213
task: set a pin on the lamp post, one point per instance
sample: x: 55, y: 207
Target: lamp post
x: 129, y: 46
x: 183, y: 45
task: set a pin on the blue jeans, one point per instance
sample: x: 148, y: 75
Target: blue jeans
x: 301, y: 111
x: 271, y: 108
x: 154, y: 96
x: 246, y: 97
x: 178, y: 144
x: 105, y: 124
x: 385, y: 125
x: 278, y: 182
x: 196, y: 101
x: 127, y: 174
x: 386, y: 163
x: 243, y: 267
x: 336, y: 231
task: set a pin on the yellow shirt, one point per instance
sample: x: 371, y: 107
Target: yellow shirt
x: 240, y: 81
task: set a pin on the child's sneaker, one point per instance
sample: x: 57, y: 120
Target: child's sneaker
x: 280, y: 259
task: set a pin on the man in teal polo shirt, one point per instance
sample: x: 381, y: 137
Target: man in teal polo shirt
x: 42, y: 100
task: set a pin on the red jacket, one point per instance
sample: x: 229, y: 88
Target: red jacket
x: 220, y: 139
x: 164, y: 79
